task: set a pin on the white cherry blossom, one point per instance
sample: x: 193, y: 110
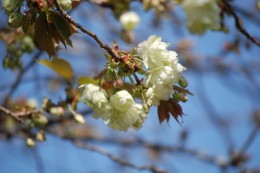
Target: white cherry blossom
x: 163, y: 68
x: 201, y: 15
x: 129, y: 20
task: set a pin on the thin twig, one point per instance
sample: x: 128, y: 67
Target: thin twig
x: 20, y: 76
x: 38, y: 160
x: 213, y: 115
x: 250, y: 139
x: 84, y: 30
x: 120, y: 161
x: 19, y: 115
x: 138, y: 81
x: 228, y: 9
x: 138, y: 142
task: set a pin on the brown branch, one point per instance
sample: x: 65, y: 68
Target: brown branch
x: 19, y: 115
x: 120, y: 161
x: 138, y: 81
x: 84, y: 30
x: 228, y: 9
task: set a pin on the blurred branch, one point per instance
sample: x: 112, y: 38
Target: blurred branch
x: 84, y: 141
x: 38, y: 160
x: 84, y: 30
x: 19, y: 115
x: 212, y: 114
x: 228, y: 9
x: 250, y: 138
x: 251, y: 15
x: 152, y: 169
x: 20, y: 76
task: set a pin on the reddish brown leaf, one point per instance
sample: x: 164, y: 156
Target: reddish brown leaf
x: 169, y: 107
x: 161, y: 113
x: 175, y: 110
x: 61, y: 26
x: 43, y: 35
x: 56, y: 35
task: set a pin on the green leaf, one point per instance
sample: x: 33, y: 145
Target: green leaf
x: 60, y: 66
x: 87, y: 80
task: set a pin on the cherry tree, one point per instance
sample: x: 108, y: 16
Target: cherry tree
x: 121, y: 72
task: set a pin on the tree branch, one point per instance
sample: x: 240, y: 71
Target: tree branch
x: 250, y: 139
x: 20, y: 76
x: 84, y: 30
x: 19, y: 115
x: 150, y: 168
x: 228, y: 9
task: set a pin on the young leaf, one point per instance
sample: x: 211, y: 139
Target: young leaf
x: 62, y: 26
x: 43, y: 36
x: 169, y: 107
x: 60, y: 66
x: 87, y: 80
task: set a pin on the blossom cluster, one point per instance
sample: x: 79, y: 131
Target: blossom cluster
x: 163, y: 68
x: 201, y: 15
x: 120, y: 111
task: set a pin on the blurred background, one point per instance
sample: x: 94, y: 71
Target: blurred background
x: 220, y: 129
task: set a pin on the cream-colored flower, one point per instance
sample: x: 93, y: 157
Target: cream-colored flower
x: 129, y: 20
x: 201, y: 15
x: 152, y: 52
x: 133, y: 117
x: 163, y: 68
x: 121, y: 100
x: 120, y: 112
x: 125, y: 113
x: 96, y: 98
x: 93, y: 95
x: 161, y: 93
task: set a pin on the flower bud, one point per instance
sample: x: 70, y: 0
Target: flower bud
x: 183, y: 97
x: 27, y: 44
x: 129, y: 20
x: 57, y: 111
x: 30, y: 142
x: 40, y: 120
x: 180, y: 97
x: 32, y: 103
x: 183, y: 82
x: 40, y: 136
x: 79, y: 119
